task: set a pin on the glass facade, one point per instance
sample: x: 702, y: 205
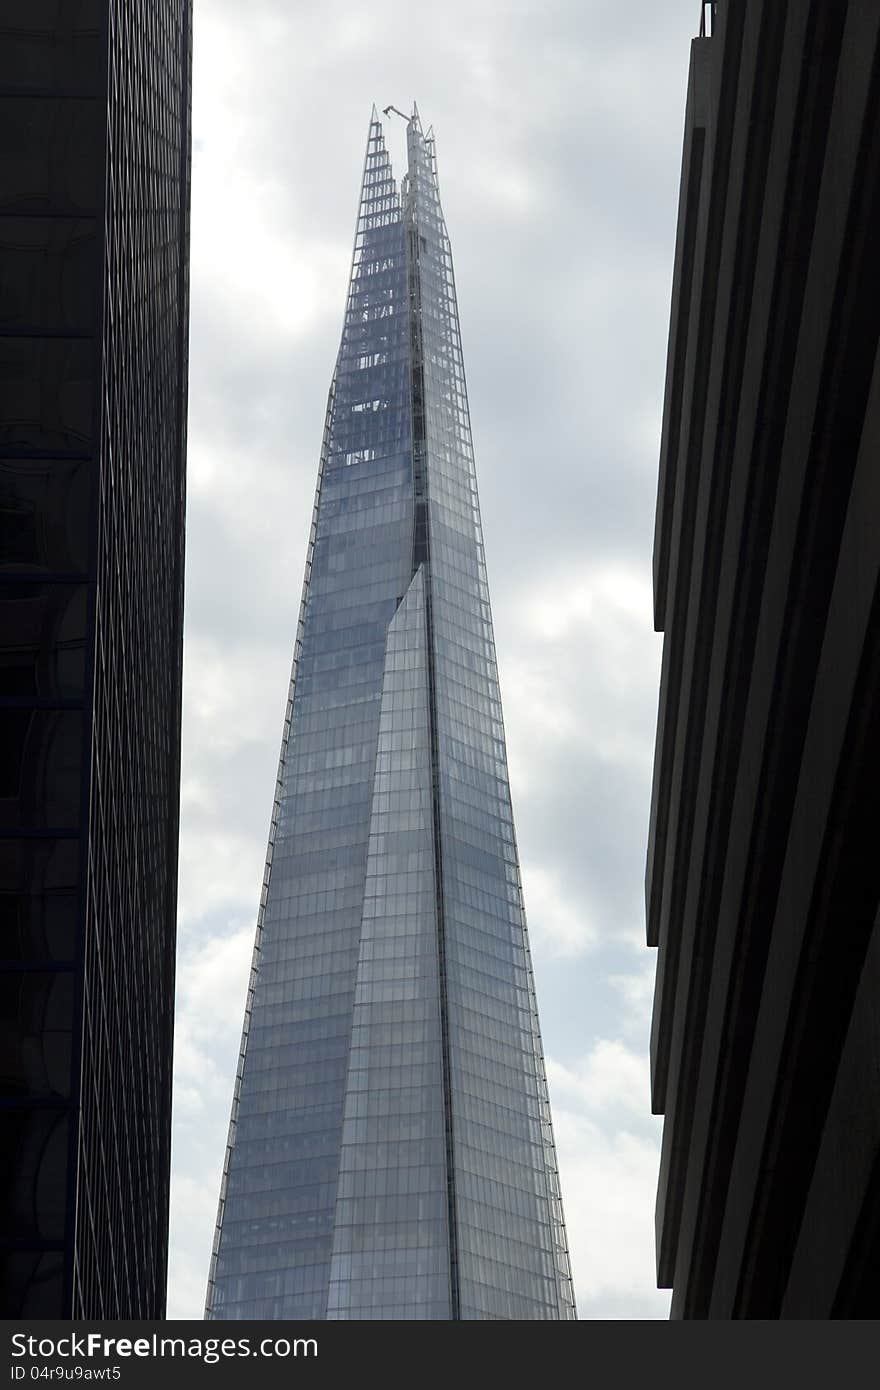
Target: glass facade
x: 390, y: 1151
x: 94, y: 197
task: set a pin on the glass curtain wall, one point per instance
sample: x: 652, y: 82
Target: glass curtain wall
x: 390, y: 1151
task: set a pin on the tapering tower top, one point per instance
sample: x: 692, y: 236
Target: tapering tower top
x: 390, y: 1150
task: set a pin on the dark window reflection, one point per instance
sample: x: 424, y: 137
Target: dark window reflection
x: 51, y: 154
x: 42, y: 640
x: 31, y: 1283
x: 40, y: 760
x: 36, y: 1019
x: 55, y: 45
x: 33, y: 1173
x: 39, y: 902
x: 44, y: 512
x: 46, y: 388
x: 49, y: 275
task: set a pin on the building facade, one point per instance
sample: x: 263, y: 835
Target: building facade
x: 390, y: 1151
x: 763, y: 882
x: 94, y: 195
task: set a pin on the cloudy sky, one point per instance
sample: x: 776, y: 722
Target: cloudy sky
x: 559, y: 128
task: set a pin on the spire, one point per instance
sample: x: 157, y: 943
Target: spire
x: 379, y: 193
x: 422, y: 167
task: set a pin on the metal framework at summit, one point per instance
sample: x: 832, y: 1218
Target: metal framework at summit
x: 390, y: 1150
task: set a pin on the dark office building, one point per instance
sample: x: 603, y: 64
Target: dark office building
x: 763, y: 881
x: 390, y: 1152
x: 94, y: 190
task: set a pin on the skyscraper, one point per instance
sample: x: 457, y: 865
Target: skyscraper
x: 390, y: 1149
x: 94, y: 197
x: 763, y: 873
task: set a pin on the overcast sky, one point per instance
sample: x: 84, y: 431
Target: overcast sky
x: 558, y: 130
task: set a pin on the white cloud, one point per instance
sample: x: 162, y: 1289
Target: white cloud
x: 608, y: 1149
x: 231, y: 707
x: 211, y: 985
x: 612, y: 1076
x: 211, y: 988
x: 193, y: 1212
x: 579, y: 662
x: 557, y: 923
x: 612, y: 599
x: 636, y: 990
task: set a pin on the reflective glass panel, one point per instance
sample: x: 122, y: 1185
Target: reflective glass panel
x: 390, y: 1151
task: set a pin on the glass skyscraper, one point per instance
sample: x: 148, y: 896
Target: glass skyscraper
x: 390, y: 1150
x: 94, y: 251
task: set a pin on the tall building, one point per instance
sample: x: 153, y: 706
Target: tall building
x: 390, y: 1150
x: 763, y: 883
x: 94, y: 192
